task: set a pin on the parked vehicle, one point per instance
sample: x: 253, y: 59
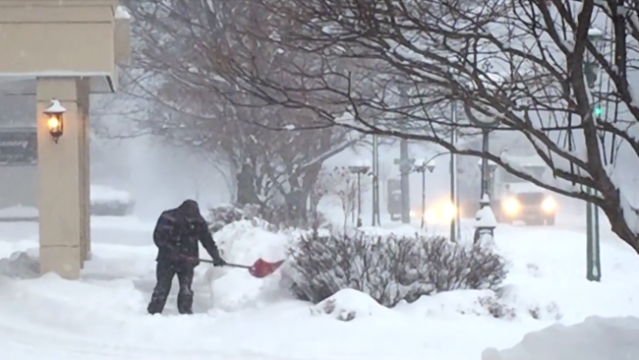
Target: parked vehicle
x: 108, y: 201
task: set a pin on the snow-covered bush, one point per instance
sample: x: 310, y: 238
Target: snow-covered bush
x: 223, y: 215
x: 340, y: 185
x: 277, y: 215
x: 389, y: 269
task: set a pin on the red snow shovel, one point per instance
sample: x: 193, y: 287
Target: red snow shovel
x: 259, y: 269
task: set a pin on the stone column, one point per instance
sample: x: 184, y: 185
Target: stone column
x: 61, y: 172
x: 84, y: 103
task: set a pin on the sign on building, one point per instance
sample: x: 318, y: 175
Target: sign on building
x: 18, y: 146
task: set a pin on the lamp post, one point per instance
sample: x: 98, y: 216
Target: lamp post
x: 487, y: 124
x: 359, y: 170
x: 375, y: 221
x: 487, y: 168
x: 422, y: 166
x: 593, y: 262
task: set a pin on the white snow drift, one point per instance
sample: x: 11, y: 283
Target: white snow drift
x: 595, y: 339
x: 103, y: 315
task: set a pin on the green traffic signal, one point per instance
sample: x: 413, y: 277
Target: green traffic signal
x: 598, y: 111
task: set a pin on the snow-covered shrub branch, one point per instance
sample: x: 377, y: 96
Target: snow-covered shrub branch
x: 389, y: 269
x: 341, y: 185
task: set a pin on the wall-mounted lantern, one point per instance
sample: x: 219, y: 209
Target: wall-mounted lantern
x: 55, y: 119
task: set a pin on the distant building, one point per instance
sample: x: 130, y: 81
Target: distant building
x: 18, y: 147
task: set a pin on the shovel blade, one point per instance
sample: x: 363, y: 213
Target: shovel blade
x: 263, y: 268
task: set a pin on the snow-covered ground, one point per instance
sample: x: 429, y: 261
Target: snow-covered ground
x: 103, y: 315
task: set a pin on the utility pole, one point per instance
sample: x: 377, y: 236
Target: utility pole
x: 359, y: 170
x: 375, y: 221
x: 593, y: 260
x: 485, y: 148
x: 454, y: 222
x: 405, y: 166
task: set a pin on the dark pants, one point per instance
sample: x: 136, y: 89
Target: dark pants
x: 165, y: 271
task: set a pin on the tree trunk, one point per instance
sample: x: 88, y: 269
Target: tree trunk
x: 246, y: 192
x: 618, y: 222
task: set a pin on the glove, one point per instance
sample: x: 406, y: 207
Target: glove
x: 218, y: 261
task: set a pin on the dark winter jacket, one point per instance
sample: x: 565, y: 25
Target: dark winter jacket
x: 178, y: 232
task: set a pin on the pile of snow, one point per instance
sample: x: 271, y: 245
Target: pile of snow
x: 244, y: 242
x: 21, y: 265
x: 594, y: 339
x: 349, y: 304
x: 505, y: 304
x: 106, y: 194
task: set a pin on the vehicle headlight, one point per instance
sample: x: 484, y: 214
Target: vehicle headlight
x: 449, y: 211
x: 511, y: 206
x: 430, y: 215
x: 549, y: 204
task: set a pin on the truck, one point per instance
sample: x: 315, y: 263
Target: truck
x: 515, y: 199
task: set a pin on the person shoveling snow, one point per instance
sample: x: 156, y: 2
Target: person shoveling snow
x: 176, y: 235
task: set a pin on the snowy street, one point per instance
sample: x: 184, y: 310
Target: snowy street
x: 103, y: 316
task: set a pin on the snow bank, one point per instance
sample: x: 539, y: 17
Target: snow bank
x: 503, y: 304
x: 594, y: 339
x: 349, y: 304
x: 21, y: 264
x: 79, y: 306
x: 244, y: 242
x: 549, y: 270
x: 15, y: 212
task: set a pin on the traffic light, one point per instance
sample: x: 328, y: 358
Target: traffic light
x: 598, y: 111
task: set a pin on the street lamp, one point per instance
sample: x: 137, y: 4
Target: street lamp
x: 593, y: 262
x: 359, y: 170
x: 421, y: 166
x: 55, y: 119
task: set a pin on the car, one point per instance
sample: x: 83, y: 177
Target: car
x: 108, y: 201
x: 533, y: 208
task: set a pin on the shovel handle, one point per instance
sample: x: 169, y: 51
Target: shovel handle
x: 227, y: 264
